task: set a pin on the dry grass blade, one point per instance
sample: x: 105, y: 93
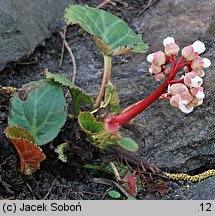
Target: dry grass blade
x: 71, y: 55
x: 50, y: 189
x: 63, y: 46
x: 106, y: 2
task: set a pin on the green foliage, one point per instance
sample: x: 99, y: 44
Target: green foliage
x: 39, y: 107
x: 20, y: 133
x: 114, y: 194
x: 100, y: 137
x: 89, y: 124
x: 61, y: 151
x: 128, y: 144
x: 112, y: 35
x: 111, y: 98
x: 107, y: 168
x: 131, y: 198
x: 78, y: 95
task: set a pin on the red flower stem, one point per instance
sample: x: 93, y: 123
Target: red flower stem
x: 188, y: 63
x: 135, y: 109
x: 176, y: 81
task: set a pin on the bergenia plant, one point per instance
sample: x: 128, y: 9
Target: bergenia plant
x: 39, y: 109
x: 184, y: 93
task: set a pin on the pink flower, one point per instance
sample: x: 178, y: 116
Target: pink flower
x: 195, y: 102
x: 186, y: 98
x: 168, y: 40
x: 178, y: 88
x: 198, y: 47
x: 188, y: 53
x: 177, y: 102
x: 192, y: 52
x: 157, y: 58
x: 185, y: 109
x: 186, y: 69
x: 154, y: 69
x: 170, y: 47
x: 199, y: 63
x: 167, y: 70
x: 192, y: 80
x: 199, y: 73
x: 198, y: 93
x: 159, y: 76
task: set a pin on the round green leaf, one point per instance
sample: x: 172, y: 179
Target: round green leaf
x: 128, y: 144
x: 114, y: 194
x: 39, y: 107
x: 112, y: 35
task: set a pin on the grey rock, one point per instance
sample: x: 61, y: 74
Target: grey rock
x: 204, y: 190
x: 25, y: 24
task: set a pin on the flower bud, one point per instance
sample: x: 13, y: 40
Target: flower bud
x: 207, y: 62
x: 188, y: 53
x: 199, y: 73
x: 192, y: 80
x: 168, y: 40
x: 186, y: 98
x: 159, y: 76
x: 200, y: 63
x: 150, y: 57
x: 195, y: 102
x: 154, y: 69
x: 171, y: 49
x: 198, y: 93
x: 178, y: 88
x: 175, y: 100
x: 185, y: 109
x: 157, y: 58
x: 167, y: 70
x: 198, y: 47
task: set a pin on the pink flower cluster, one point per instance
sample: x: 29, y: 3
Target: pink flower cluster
x: 159, y: 59
x: 187, y: 92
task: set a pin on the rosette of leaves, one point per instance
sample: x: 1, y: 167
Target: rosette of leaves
x: 100, y: 137
x: 112, y: 35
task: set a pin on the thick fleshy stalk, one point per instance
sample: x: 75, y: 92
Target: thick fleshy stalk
x: 140, y: 106
x: 106, y: 78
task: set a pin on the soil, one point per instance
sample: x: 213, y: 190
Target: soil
x: 55, y: 179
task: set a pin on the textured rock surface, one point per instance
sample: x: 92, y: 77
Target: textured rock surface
x: 205, y: 190
x: 24, y: 24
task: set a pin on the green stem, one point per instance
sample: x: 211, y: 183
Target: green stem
x: 76, y: 107
x: 106, y: 78
x: 76, y: 104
